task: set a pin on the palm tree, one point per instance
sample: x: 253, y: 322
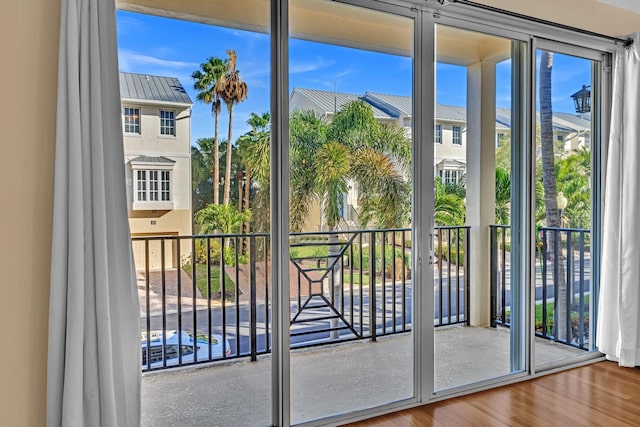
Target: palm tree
x: 232, y: 90
x: 379, y: 163
x: 220, y: 217
x: 574, y: 172
x: 201, y: 167
x: 206, y: 79
x: 254, y: 157
x: 449, y: 208
x: 326, y: 157
x: 503, y: 196
x: 549, y: 183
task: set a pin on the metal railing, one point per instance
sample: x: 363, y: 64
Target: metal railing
x: 562, y: 288
x: 343, y: 286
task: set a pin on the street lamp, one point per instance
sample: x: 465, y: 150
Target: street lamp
x: 562, y: 201
x: 582, y: 100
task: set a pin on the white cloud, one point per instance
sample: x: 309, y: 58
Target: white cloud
x: 305, y: 67
x: 131, y: 61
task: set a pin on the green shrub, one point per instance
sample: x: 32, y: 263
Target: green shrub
x: 201, y: 251
x: 443, y: 251
x: 363, y: 262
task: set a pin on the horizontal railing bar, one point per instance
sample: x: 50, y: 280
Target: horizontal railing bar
x: 317, y: 319
x: 297, y: 334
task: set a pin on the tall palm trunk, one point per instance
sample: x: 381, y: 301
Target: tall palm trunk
x: 550, y: 189
x: 227, y: 172
x: 247, y: 193
x: 239, y: 180
x: 216, y: 159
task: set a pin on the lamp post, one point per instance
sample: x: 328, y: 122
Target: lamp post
x: 582, y: 100
x: 562, y: 201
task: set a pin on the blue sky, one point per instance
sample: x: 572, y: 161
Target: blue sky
x: 169, y: 47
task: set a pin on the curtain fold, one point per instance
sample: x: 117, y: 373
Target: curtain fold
x: 94, y: 338
x: 618, y: 334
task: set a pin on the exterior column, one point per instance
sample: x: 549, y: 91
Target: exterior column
x: 480, y: 182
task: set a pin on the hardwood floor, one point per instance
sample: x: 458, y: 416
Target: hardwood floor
x: 602, y: 394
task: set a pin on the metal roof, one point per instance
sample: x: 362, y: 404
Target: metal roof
x: 145, y: 87
x: 390, y: 106
x: 152, y: 159
x: 451, y: 113
x: 399, y: 103
x: 329, y: 102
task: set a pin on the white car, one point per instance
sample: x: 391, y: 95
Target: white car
x: 188, y: 347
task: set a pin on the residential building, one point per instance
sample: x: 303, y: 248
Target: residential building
x: 156, y: 123
x: 571, y: 131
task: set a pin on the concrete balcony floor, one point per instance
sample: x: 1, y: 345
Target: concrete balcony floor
x: 327, y: 380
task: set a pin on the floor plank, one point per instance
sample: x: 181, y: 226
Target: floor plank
x: 602, y: 394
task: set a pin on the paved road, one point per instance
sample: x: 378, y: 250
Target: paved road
x: 397, y: 311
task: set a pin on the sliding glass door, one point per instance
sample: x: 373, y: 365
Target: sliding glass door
x: 478, y: 145
x: 416, y: 199
x: 568, y: 101
x: 350, y: 149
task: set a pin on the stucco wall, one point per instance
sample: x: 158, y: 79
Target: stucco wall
x: 30, y: 29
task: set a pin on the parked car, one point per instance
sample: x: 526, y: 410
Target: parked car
x: 188, y: 347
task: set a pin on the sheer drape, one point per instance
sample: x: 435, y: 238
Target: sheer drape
x: 618, y: 334
x: 94, y: 341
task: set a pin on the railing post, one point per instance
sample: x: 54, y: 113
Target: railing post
x: 569, y: 287
x: 494, y: 274
x: 467, y: 273
x: 372, y: 287
x: 556, y: 296
x: 253, y: 309
x: 543, y: 273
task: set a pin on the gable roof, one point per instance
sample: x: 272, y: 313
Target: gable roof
x: 392, y: 104
x: 145, y: 87
x: 329, y: 102
x: 395, y: 106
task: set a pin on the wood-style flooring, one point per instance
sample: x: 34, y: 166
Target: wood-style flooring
x: 601, y: 394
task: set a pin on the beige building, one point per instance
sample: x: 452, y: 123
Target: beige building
x: 156, y: 120
x: 570, y: 131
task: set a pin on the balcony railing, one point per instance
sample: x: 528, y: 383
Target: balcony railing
x: 563, y: 272
x: 213, y: 301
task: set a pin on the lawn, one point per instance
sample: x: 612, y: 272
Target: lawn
x: 201, y: 281
x: 550, y: 309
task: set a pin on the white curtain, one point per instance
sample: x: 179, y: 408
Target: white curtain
x: 94, y: 341
x: 618, y: 334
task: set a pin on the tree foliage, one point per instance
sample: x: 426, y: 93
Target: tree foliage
x: 223, y: 218
x: 206, y: 80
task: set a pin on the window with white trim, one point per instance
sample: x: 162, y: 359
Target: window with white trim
x: 451, y: 176
x: 457, y: 135
x: 131, y: 120
x: 141, y: 181
x: 439, y: 134
x: 153, y: 185
x: 167, y: 123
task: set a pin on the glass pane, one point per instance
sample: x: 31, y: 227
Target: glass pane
x: 473, y: 169
x: 204, y: 288
x: 350, y: 151
x: 564, y: 178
